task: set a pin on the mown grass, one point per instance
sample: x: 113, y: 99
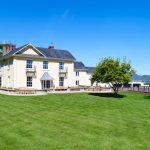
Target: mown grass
x: 75, y: 122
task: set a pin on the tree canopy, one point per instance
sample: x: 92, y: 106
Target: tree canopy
x: 114, y: 72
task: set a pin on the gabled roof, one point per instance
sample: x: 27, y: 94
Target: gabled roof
x: 46, y: 77
x: 18, y: 52
x: 11, y: 53
x: 52, y: 53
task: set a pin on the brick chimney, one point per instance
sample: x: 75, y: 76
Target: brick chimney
x: 51, y: 46
x: 7, y: 47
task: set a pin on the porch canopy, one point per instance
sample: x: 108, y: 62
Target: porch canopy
x: 46, y: 77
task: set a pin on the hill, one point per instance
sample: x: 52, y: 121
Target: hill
x: 145, y: 78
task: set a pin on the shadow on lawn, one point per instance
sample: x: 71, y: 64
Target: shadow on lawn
x: 111, y: 95
x: 147, y: 97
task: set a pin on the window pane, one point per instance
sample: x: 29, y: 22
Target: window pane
x: 77, y: 82
x: 77, y: 73
x: 61, y: 81
x: 45, y: 64
x: 0, y: 81
x: 29, y: 63
x: 29, y: 81
x: 61, y: 65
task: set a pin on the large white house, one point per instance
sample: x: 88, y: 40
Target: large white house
x: 41, y: 68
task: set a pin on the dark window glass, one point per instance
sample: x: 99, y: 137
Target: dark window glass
x: 29, y: 63
x: 29, y: 81
x: 45, y: 64
x: 61, y: 81
x: 77, y: 73
x: 61, y: 65
x: 77, y: 82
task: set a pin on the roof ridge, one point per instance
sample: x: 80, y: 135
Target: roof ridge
x: 52, y: 49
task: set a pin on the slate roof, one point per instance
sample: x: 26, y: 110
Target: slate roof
x: 78, y: 65
x: 53, y: 53
x: 90, y: 70
x: 56, y: 53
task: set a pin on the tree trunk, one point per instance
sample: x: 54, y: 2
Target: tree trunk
x: 115, y: 88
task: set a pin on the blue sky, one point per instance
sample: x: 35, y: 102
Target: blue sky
x: 89, y: 29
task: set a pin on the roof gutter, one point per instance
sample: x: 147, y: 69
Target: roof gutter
x: 47, y: 58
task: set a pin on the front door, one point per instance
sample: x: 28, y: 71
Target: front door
x: 46, y: 84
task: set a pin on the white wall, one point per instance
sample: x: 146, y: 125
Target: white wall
x: 53, y: 70
x: 6, y: 72
x: 84, y: 78
x: 18, y: 77
x: 30, y: 51
x: 141, y: 83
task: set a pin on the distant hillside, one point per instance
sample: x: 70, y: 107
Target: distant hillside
x: 145, y: 78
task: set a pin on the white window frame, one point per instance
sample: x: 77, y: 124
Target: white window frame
x: 61, y: 65
x: 29, y: 64
x: 45, y: 64
x: 61, y: 81
x: 29, y: 81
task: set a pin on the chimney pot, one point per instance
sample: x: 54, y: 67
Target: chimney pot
x: 7, y: 47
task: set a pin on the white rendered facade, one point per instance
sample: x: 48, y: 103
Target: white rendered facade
x: 15, y: 74
x: 138, y: 84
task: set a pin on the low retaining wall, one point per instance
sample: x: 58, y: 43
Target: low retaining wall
x: 7, y: 92
x: 44, y: 92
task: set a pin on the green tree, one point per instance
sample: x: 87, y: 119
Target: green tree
x: 114, y: 72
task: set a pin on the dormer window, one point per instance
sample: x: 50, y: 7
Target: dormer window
x: 29, y: 63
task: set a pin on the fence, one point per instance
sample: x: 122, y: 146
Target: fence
x: 136, y: 89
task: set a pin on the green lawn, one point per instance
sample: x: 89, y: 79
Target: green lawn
x: 75, y: 122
